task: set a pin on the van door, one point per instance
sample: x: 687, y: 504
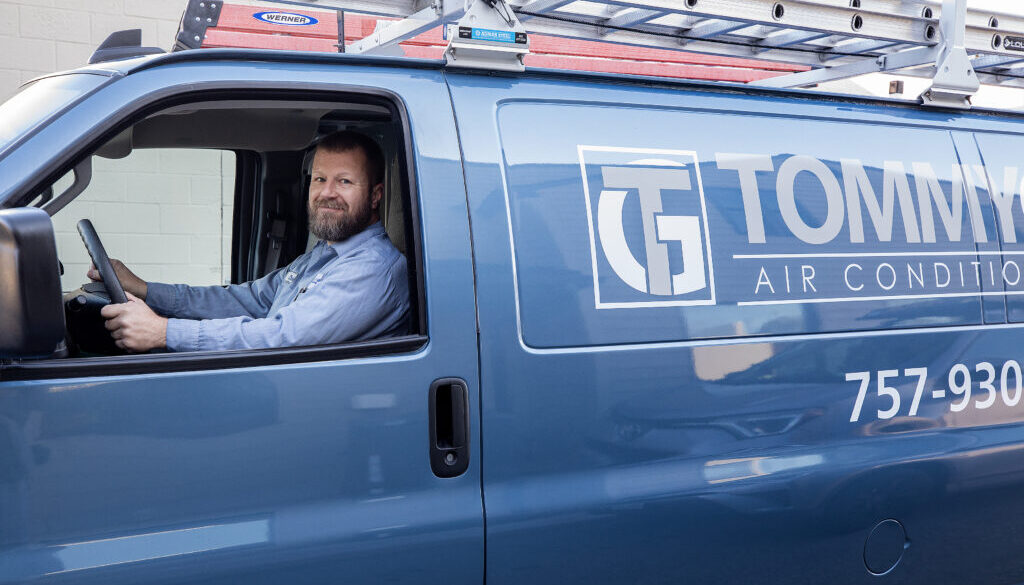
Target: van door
x: 994, y: 286
x: 287, y: 465
x: 699, y: 365
x: 999, y: 172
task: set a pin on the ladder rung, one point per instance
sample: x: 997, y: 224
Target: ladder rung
x: 713, y: 28
x: 862, y: 46
x: 632, y: 17
x: 785, y: 39
x: 987, y: 62
x: 542, y: 6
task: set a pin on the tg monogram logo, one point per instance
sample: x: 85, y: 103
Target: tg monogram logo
x: 649, y: 243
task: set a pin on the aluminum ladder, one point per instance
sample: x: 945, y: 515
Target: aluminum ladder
x: 955, y: 47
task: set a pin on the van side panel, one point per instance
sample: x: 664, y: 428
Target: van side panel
x: 655, y: 224
x: 653, y: 443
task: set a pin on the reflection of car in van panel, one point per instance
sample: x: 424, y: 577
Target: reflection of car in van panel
x: 661, y: 331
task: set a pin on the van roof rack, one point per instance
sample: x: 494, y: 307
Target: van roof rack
x: 212, y: 24
x: 955, y: 47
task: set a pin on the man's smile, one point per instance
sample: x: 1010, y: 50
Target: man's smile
x: 332, y: 207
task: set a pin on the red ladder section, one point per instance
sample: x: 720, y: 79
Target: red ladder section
x: 239, y: 27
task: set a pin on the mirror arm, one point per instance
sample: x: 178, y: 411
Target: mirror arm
x: 83, y: 176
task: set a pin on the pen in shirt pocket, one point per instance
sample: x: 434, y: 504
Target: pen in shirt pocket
x: 316, y: 279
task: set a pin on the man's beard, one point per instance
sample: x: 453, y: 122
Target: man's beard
x: 340, y: 228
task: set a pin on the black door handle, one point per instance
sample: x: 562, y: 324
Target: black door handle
x: 449, y: 427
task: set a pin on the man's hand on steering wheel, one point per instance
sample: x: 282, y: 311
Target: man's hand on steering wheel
x: 134, y: 326
x: 129, y: 281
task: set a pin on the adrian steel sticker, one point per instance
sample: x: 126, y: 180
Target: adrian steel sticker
x: 1013, y: 43
x: 286, y: 18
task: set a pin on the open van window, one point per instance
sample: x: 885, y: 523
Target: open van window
x: 214, y: 192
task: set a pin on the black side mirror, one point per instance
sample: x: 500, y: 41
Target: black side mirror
x: 31, y: 314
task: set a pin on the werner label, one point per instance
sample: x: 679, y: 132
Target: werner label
x: 796, y: 229
x: 285, y: 18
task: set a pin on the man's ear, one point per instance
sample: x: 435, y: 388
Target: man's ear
x: 376, y: 194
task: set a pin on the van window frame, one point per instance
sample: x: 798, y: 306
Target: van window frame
x: 153, y: 363
x: 79, y: 85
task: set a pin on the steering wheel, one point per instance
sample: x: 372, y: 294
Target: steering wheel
x: 99, y: 259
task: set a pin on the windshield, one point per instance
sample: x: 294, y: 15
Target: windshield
x: 40, y: 101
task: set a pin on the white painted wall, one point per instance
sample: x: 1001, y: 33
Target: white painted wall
x: 166, y: 213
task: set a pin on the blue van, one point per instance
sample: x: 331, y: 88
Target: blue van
x: 663, y: 332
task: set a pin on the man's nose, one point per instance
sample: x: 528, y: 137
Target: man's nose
x: 330, y: 189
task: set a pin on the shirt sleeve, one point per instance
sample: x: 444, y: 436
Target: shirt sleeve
x: 251, y: 299
x: 360, y: 300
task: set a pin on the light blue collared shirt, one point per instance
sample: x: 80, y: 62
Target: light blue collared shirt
x: 352, y: 290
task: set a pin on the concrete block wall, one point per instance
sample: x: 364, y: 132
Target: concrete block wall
x: 43, y: 36
x: 165, y: 213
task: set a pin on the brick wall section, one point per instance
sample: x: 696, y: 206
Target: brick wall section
x: 165, y: 213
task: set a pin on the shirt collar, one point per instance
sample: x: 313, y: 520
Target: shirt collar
x: 353, y: 242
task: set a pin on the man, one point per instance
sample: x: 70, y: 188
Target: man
x: 352, y: 285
